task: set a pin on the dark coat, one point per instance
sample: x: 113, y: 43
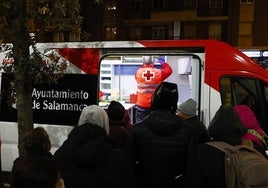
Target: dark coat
x: 158, y: 149
x: 33, y: 152
x: 205, y: 166
x: 199, y: 131
x: 119, y: 130
x: 84, y: 160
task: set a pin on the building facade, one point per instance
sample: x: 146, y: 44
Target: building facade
x: 55, y: 21
x: 241, y: 23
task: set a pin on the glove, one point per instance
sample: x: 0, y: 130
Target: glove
x: 161, y: 60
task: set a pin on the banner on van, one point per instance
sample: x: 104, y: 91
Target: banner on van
x: 59, y: 103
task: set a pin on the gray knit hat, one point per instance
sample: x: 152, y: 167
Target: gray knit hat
x: 188, y: 107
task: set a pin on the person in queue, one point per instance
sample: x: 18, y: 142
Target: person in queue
x: 38, y: 172
x: 87, y: 158
x: 187, y: 112
x: 148, y: 77
x: 205, y: 165
x: 119, y: 124
x: 158, y: 145
x: 254, y: 131
x: 36, y: 143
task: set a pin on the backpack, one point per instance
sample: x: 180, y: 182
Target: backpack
x: 245, y: 167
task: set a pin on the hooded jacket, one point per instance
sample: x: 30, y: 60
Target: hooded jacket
x: 158, y: 149
x: 249, y: 120
x: 205, y: 166
x: 119, y: 131
x: 84, y: 157
x: 199, y: 131
x: 119, y: 124
x: 94, y: 114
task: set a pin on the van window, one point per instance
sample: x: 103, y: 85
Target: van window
x: 247, y: 91
x: 117, y: 76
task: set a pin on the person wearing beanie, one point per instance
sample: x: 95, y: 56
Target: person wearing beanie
x: 158, y: 145
x: 119, y: 124
x: 187, y: 112
x: 85, y: 155
x: 116, y: 111
x: 205, y: 165
x: 148, y: 77
x: 188, y: 107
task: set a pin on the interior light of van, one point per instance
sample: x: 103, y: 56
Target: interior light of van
x: 252, y: 53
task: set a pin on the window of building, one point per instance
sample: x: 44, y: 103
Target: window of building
x: 215, y: 3
x: 135, y: 5
x: 190, y: 4
x: 58, y: 37
x: 110, y: 33
x: 214, y: 31
x: 134, y: 33
x: 158, y: 4
x: 247, y: 1
x: 189, y: 30
x: 158, y: 33
x: 110, y: 6
x: 74, y: 36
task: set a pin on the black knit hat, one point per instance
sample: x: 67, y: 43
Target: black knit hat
x: 116, y: 111
x: 165, y: 97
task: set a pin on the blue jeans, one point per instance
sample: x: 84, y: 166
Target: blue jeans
x: 141, y: 113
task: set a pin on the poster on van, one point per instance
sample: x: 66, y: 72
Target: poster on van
x: 59, y: 103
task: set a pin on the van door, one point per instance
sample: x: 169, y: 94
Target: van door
x: 117, y: 74
x: 248, y: 91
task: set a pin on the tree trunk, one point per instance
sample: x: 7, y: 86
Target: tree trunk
x: 24, y: 106
x: 23, y: 82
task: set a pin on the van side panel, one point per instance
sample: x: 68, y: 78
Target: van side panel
x: 86, y: 59
x: 58, y: 114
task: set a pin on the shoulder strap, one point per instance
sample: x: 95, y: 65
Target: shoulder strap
x: 220, y: 145
x: 247, y: 143
x: 258, y: 135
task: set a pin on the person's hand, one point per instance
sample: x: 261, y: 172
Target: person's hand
x: 161, y: 60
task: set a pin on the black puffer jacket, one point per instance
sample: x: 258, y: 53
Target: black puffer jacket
x: 87, y: 160
x: 199, y: 131
x: 158, y: 149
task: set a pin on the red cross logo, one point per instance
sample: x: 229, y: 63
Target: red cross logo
x: 148, y: 75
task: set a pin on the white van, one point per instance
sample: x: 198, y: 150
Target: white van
x: 211, y: 72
